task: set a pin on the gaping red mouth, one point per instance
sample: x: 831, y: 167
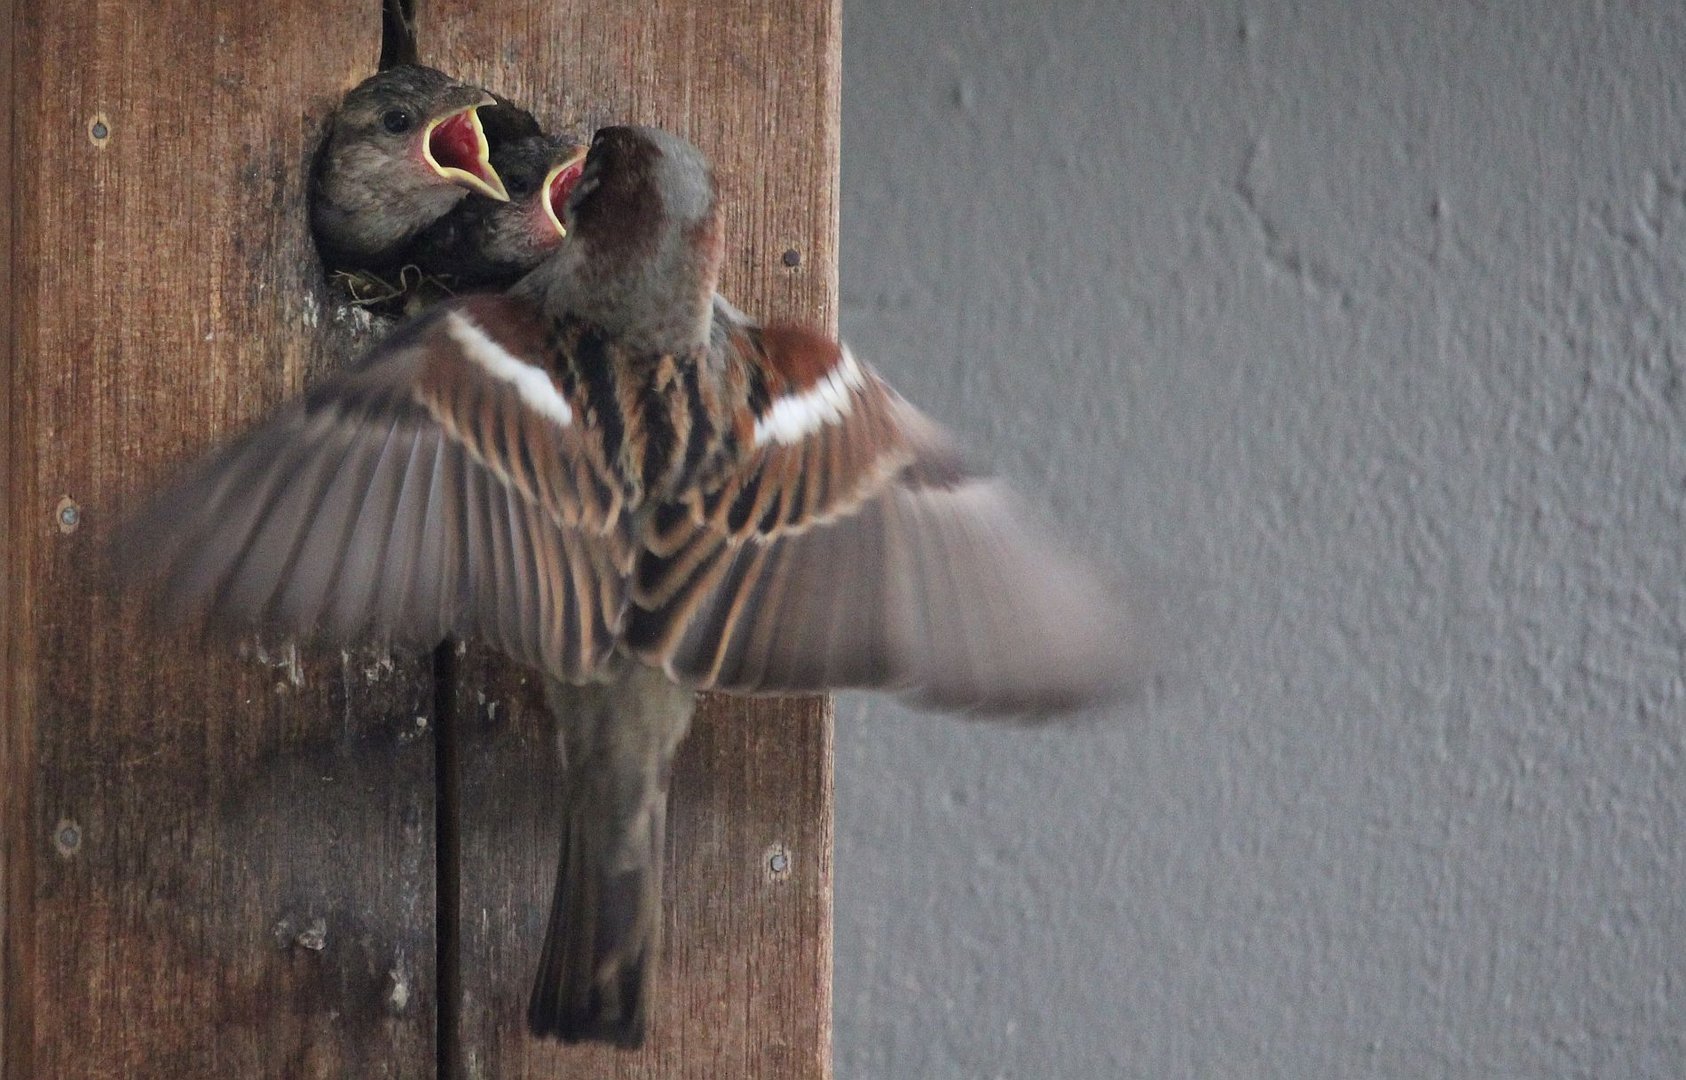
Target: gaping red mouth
x: 560, y: 184
x: 455, y: 147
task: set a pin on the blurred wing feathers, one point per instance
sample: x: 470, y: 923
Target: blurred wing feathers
x: 440, y: 487
x: 856, y: 547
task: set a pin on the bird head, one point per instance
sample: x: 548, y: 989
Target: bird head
x: 644, y: 193
x: 420, y: 125
x: 644, y: 243
x: 540, y: 173
x: 486, y: 243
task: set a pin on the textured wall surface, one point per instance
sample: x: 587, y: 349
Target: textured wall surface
x: 1355, y: 333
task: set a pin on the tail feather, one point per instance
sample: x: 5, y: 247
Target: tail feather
x: 597, y: 970
x: 603, y: 939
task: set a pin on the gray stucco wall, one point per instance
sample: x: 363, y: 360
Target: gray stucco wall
x: 1354, y: 333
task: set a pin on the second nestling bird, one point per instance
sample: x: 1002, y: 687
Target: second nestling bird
x: 483, y: 243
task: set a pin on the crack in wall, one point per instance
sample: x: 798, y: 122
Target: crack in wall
x: 398, y: 33
x: 1315, y: 277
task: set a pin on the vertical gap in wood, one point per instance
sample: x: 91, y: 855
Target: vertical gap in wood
x: 398, y: 33
x: 398, y: 46
x: 17, y: 729
x: 447, y: 821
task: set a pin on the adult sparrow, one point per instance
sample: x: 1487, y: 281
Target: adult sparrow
x: 613, y: 477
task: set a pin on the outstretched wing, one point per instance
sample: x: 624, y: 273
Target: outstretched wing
x: 855, y: 547
x: 446, y: 485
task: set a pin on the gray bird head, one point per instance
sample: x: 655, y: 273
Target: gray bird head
x: 485, y: 243
x: 541, y: 172
x: 405, y: 147
x: 644, y: 240
x: 640, y: 184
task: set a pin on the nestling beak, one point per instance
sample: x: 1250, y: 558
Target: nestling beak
x: 454, y: 146
x: 559, y: 183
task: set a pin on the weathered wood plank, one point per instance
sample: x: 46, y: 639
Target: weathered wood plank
x: 217, y: 864
x: 746, y: 979
x: 16, y: 760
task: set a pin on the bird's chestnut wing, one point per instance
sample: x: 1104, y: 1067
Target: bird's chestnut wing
x: 444, y: 485
x: 855, y: 547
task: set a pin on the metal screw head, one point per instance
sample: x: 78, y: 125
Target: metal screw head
x: 67, y: 515
x: 778, y: 862
x: 99, y: 129
x: 792, y: 257
x: 67, y: 837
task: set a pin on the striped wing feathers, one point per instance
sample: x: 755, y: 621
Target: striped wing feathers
x: 852, y: 545
x: 442, y: 486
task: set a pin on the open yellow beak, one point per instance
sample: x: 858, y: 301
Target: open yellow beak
x: 455, y: 147
x: 559, y: 184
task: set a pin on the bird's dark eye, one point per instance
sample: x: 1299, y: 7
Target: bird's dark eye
x: 396, y: 121
x: 518, y: 186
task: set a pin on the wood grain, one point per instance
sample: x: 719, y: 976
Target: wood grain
x: 16, y: 760
x: 221, y: 863
x: 745, y: 987
x: 218, y: 862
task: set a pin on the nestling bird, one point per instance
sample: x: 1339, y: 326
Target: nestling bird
x: 505, y: 122
x: 487, y: 244
x: 406, y: 145
x: 614, y: 478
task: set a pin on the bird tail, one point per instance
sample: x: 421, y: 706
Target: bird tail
x: 604, y: 935
x: 603, y: 939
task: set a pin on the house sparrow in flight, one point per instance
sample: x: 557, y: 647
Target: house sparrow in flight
x: 406, y: 145
x: 615, y: 478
